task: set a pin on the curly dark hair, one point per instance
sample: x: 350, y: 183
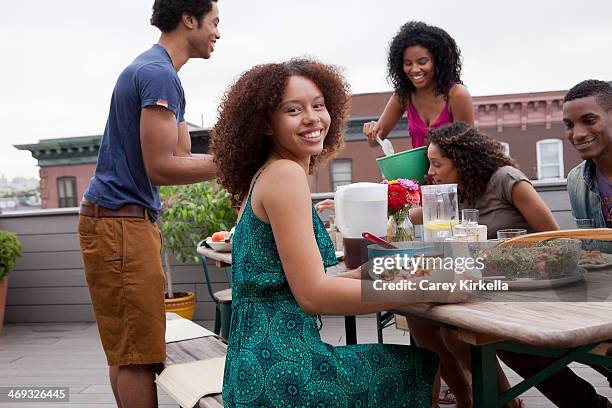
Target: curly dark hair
x: 444, y: 50
x: 601, y: 90
x: 475, y: 155
x: 167, y: 13
x: 238, y: 142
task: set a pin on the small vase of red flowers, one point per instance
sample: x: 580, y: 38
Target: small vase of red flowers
x: 402, y: 195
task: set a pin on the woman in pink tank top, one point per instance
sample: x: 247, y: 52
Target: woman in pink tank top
x: 424, y: 67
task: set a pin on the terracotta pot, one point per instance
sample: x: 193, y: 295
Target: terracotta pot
x: 3, y: 290
x: 183, y: 304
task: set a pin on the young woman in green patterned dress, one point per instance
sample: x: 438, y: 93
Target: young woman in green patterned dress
x: 277, y: 122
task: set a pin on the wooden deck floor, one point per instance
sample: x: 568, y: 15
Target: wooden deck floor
x: 70, y: 354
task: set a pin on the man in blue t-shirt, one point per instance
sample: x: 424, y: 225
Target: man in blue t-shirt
x: 146, y: 144
x: 587, y: 114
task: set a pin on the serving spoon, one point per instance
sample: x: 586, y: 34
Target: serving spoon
x: 377, y: 240
x: 386, y: 146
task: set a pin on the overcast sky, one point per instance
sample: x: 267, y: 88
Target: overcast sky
x: 60, y: 59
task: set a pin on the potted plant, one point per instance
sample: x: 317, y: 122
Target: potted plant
x: 10, y: 250
x: 189, y: 214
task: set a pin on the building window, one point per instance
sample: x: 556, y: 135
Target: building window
x: 341, y: 173
x: 506, y: 147
x: 550, y: 158
x: 67, y: 192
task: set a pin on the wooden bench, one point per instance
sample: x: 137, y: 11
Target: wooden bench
x: 202, y: 348
x: 192, y: 350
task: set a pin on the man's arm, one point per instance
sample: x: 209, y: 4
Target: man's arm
x: 183, y: 145
x: 159, y: 140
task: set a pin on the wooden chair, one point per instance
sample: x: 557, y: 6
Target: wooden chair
x: 222, y: 299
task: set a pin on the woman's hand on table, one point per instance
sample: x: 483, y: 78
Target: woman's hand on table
x: 327, y: 204
x: 457, y: 295
x: 352, y: 274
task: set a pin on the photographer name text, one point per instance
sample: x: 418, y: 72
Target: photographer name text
x: 425, y: 284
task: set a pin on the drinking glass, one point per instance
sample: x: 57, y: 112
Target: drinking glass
x: 510, y: 233
x: 469, y: 216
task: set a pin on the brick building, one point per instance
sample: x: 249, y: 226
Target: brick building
x: 67, y: 164
x: 529, y: 124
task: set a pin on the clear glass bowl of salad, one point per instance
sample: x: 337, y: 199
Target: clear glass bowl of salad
x: 552, y: 259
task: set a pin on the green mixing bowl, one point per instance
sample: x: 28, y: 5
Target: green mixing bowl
x: 410, y: 164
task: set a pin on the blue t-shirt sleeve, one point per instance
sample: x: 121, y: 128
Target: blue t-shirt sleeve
x: 159, y: 86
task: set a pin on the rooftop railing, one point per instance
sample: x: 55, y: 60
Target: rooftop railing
x: 48, y: 283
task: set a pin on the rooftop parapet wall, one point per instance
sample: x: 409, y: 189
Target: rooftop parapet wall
x: 544, y: 108
x: 48, y: 283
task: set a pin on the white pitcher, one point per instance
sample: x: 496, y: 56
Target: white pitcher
x: 361, y: 207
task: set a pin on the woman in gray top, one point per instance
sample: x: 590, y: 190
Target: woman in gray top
x: 489, y: 181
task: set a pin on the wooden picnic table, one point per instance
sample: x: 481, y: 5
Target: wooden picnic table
x: 222, y: 259
x: 558, y: 323
x: 566, y: 324
x: 546, y: 318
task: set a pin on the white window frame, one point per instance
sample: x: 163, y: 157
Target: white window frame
x: 506, y: 148
x: 560, y: 164
x: 332, y: 181
x: 64, y: 200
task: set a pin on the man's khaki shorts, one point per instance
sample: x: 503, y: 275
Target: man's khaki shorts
x: 123, y: 268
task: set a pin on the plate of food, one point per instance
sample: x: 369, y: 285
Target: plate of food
x: 594, y: 260
x: 538, y: 284
x: 532, y: 266
x: 220, y: 241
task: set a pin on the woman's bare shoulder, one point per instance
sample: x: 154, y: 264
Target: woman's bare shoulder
x: 282, y: 172
x: 282, y: 178
x: 459, y: 91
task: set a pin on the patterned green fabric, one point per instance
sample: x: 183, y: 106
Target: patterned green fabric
x: 275, y: 356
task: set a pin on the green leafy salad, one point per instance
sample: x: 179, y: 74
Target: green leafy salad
x: 544, y: 260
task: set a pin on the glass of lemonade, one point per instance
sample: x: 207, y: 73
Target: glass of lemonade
x: 440, y: 211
